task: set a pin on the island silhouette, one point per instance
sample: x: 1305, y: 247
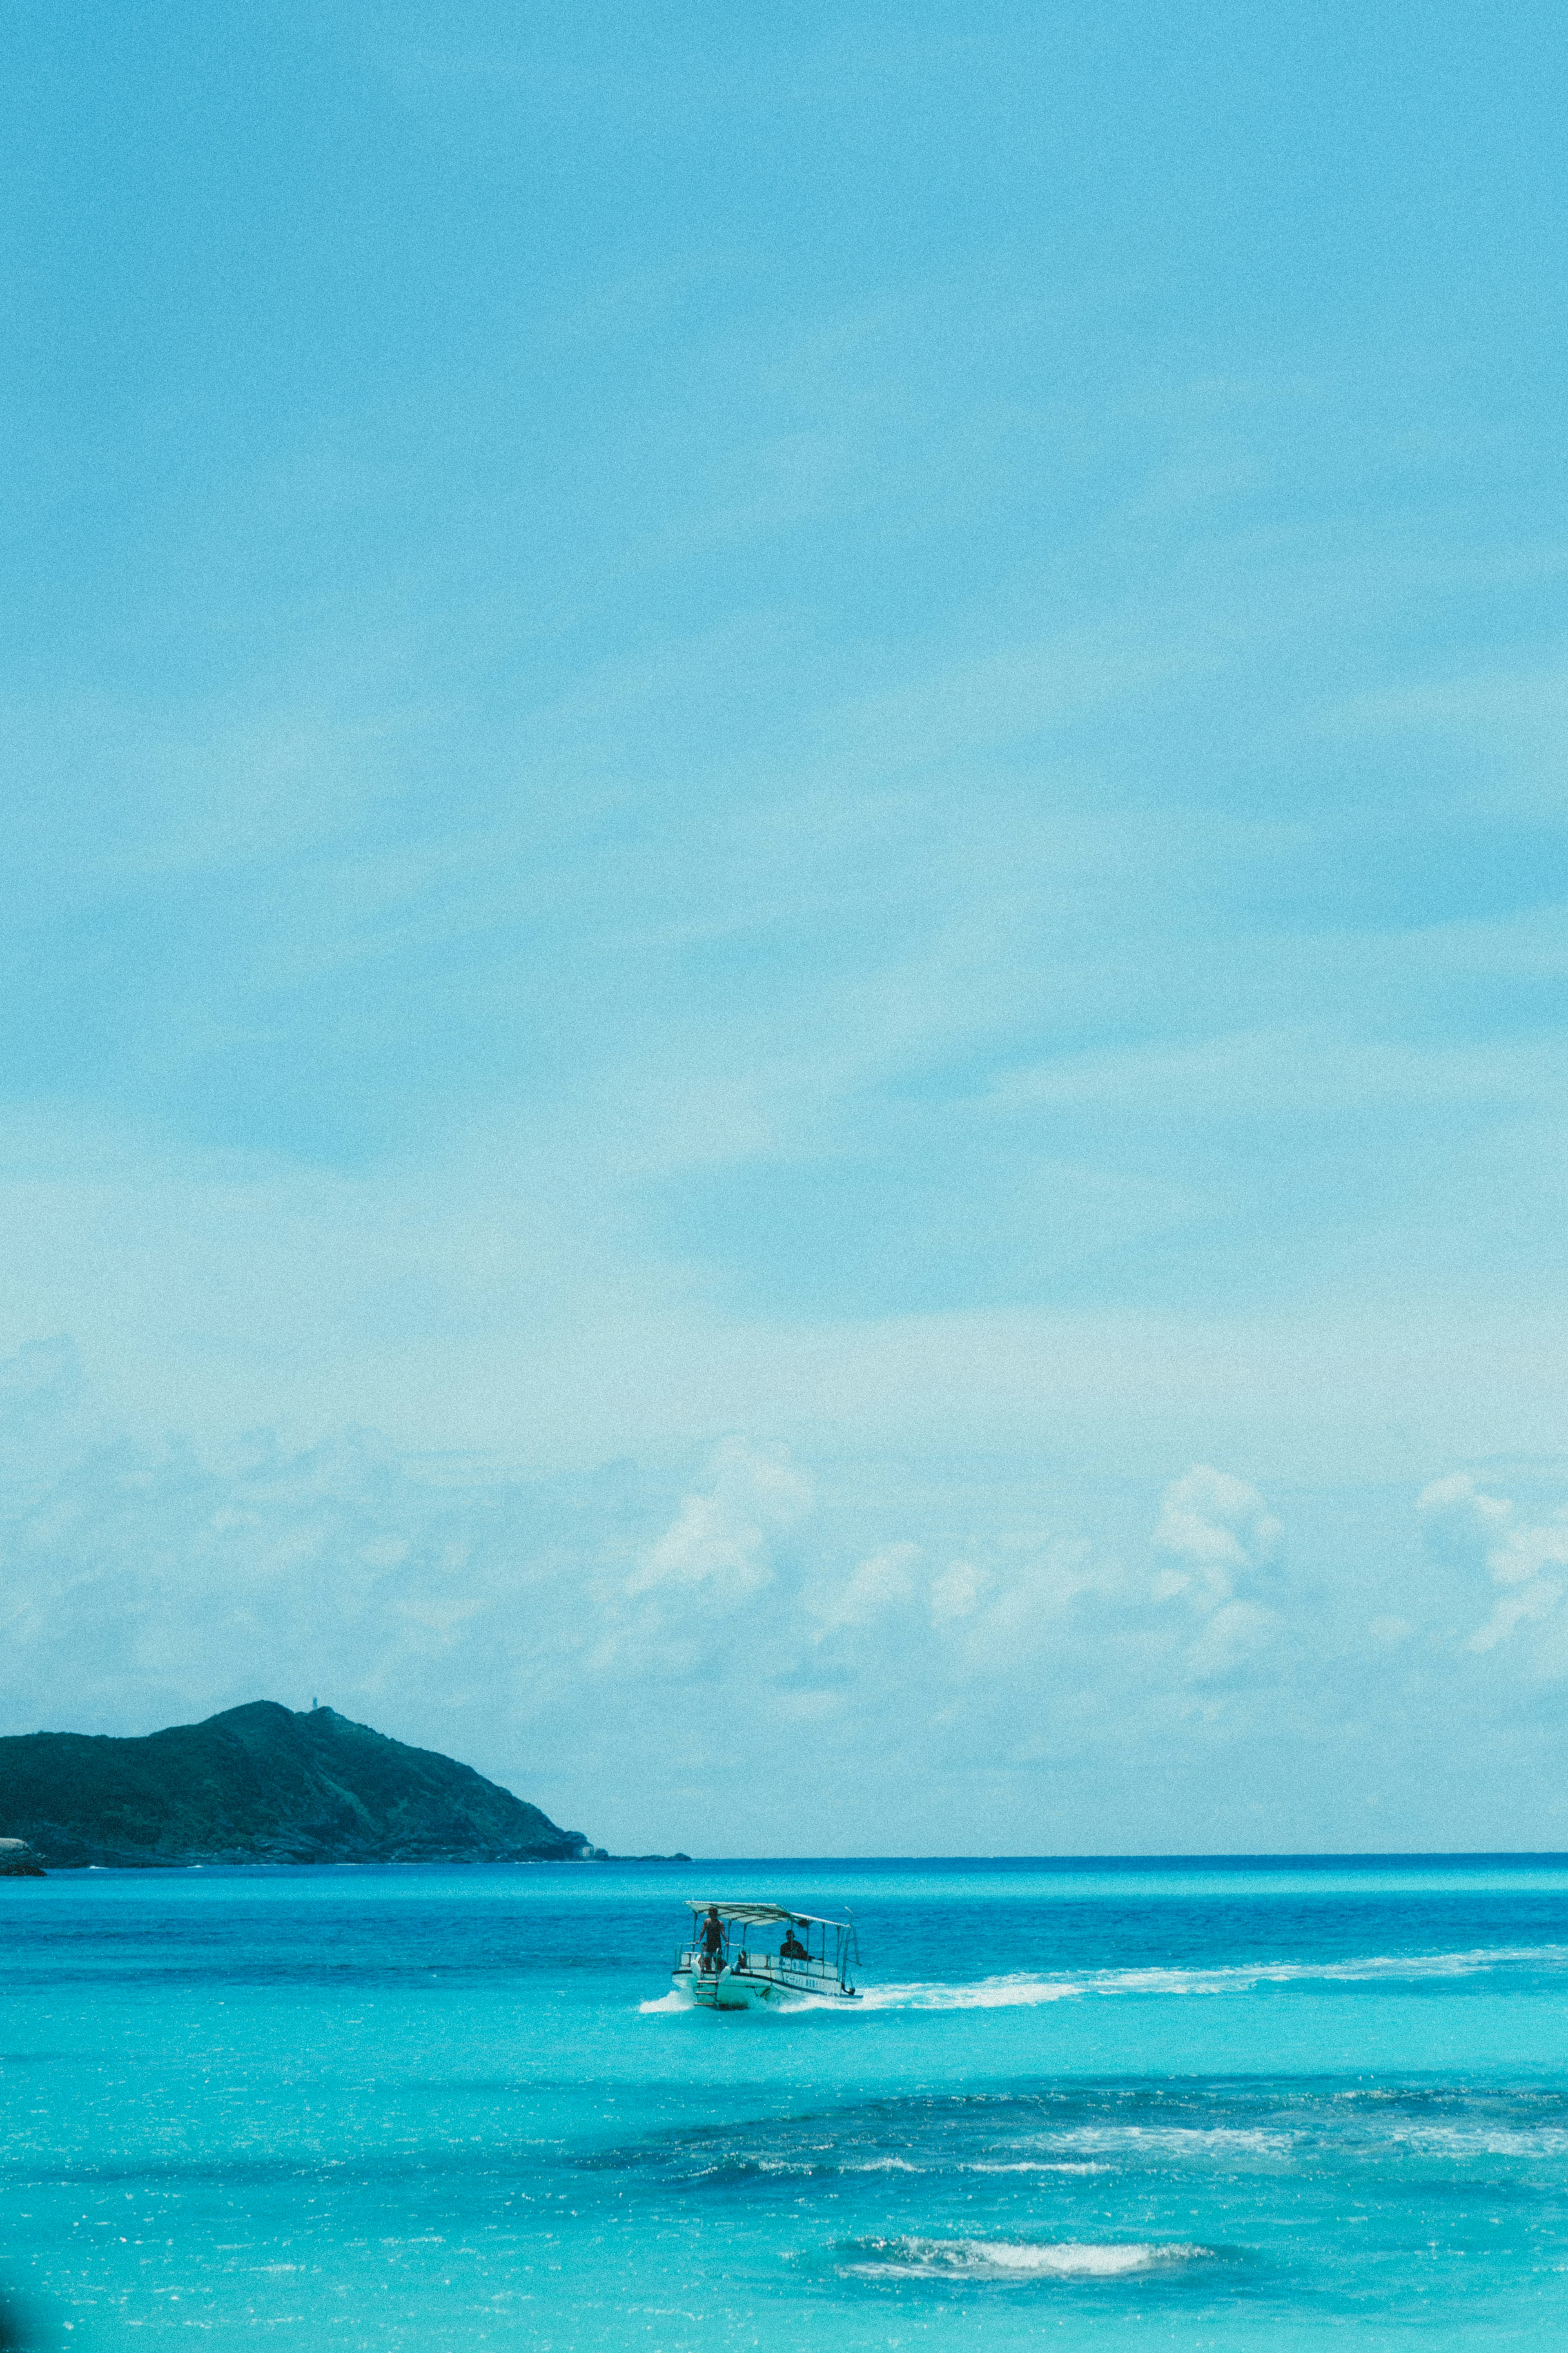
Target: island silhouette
x: 263, y: 1783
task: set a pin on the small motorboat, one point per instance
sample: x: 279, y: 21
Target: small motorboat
x: 756, y: 1956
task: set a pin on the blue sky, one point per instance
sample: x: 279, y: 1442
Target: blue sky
x: 784, y: 820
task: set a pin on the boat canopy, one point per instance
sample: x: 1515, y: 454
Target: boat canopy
x: 759, y: 1914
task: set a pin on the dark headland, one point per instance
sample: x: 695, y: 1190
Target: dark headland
x: 263, y: 1784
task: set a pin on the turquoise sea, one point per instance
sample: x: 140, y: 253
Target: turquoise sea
x: 1186, y: 2104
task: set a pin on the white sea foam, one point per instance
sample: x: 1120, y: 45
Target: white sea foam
x: 969, y: 2165
x: 980, y: 1993
x: 667, y: 2003
x: 1484, y: 2140
x: 1026, y: 2165
x: 1010, y: 2259
x: 1023, y: 1988
x: 1208, y: 2142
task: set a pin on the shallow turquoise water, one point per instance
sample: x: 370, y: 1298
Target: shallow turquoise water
x: 1195, y: 2104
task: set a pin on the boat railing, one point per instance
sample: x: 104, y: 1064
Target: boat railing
x: 807, y: 1975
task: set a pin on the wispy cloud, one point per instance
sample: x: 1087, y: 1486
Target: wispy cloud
x: 1297, y: 1070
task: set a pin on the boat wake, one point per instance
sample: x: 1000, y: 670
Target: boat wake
x: 1029, y: 1990
x: 1025, y: 1989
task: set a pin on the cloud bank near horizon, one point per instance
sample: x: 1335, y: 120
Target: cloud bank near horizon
x: 711, y: 1662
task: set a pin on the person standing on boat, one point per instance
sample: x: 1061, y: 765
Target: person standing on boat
x: 791, y: 1949
x: 713, y: 1938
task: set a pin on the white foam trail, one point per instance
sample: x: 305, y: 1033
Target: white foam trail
x: 1025, y: 2165
x: 672, y: 2000
x: 1024, y: 1989
x: 1012, y: 2259
x: 982, y: 1993
x: 1172, y: 2140
x: 1484, y: 2140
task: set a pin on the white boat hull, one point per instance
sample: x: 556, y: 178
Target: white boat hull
x: 758, y: 1988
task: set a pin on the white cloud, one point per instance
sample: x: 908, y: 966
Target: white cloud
x: 720, y: 1539
x: 1459, y: 1525
x: 1049, y: 1606
x: 878, y: 1584
x: 955, y: 1592
x: 1466, y: 1529
x: 1228, y: 1637
x: 1215, y: 1530
x: 1521, y: 1607
x: 1390, y: 1630
x: 1216, y: 1534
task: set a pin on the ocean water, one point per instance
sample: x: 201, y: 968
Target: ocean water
x: 1194, y: 2105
